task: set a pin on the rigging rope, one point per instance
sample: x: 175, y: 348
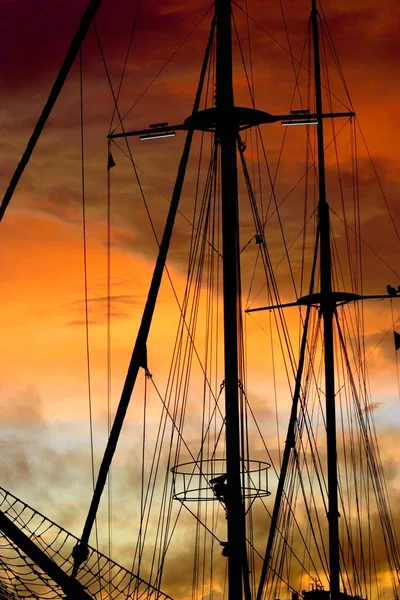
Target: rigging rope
x: 179, y: 47
x: 22, y: 578
x: 128, y: 49
x: 85, y: 271
x: 108, y: 344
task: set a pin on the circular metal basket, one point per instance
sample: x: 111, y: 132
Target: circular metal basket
x: 192, y: 480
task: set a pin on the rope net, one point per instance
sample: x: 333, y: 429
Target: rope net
x: 20, y: 577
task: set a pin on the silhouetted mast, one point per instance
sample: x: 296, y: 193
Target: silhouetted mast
x: 227, y: 134
x: 226, y: 121
x: 328, y: 308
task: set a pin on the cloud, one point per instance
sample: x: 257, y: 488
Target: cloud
x: 44, y: 463
x: 382, y: 344
x: 121, y: 307
x: 56, y: 468
x: 373, y: 406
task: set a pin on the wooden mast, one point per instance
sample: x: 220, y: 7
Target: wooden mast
x: 328, y: 308
x: 226, y: 134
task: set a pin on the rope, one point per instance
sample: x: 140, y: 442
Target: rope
x: 21, y: 577
x: 281, y: 46
x: 85, y: 271
x: 175, y: 52
x: 395, y: 350
x: 133, y: 30
x: 108, y: 345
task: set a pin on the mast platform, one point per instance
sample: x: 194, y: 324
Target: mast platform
x: 199, y: 481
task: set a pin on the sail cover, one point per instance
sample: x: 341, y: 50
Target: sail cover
x: 21, y: 578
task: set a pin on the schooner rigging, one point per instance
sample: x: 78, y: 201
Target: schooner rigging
x: 223, y: 470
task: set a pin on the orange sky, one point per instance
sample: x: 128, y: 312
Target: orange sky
x: 43, y: 388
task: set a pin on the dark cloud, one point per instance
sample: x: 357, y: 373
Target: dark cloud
x: 132, y: 230
x: 373, y: 406
x: 363, y: 34
x: 122, y: 306
x: 60, y: 202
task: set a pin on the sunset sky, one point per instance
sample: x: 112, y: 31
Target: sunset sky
x: 44, y: 437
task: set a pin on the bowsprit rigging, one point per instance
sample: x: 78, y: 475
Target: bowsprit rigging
x: 318, y: 532
x: 36, y: 559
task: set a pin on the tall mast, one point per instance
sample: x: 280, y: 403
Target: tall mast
x: 328, y: 307
x: 226, y: 121
x: 226, y: 133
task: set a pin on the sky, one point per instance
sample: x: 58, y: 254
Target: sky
x: 44, y: 437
